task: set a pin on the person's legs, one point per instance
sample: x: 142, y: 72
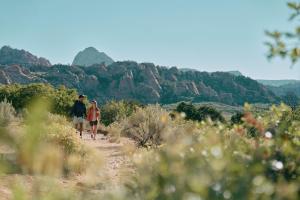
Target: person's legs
x: 91, y: 124
x: 75, y: 122
x: 80, y: 129
x: 95, y: 130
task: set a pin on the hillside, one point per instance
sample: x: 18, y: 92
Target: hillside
x: 144, y: 82
x: 282, y: 87
x: 278, y: 83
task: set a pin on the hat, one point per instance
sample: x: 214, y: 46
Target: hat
x: 81, y: 96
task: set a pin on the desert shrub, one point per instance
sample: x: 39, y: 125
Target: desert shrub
x: 205, y: 112
x: 147, y: 125
x: 237, y: 118
x: 114, y: 131
x: 7, y: 113
x: 200, y: 114
x: 44, y: 144
x: 207, y: 161
x: 61, y: 132
x: 21, y: 96
x: 117, y: 110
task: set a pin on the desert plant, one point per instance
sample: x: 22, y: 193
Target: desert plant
x: 117, y: 110
x: 43, y: 138
x: 147, y: 125
x: 218, y: 162
x: 114, y: 131
x: 7, y: 113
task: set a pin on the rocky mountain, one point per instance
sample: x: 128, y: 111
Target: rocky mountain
x: 278, y: 83
x: 282, y: 87
x: 91, y: 56
x: 144, y: 82
x: 287, y: 88
x: 10, y: 56
x: 235, y: 73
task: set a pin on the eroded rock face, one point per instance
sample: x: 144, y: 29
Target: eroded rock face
x: 143, y: 82
x: 91, y: 56
x: 10, y: 56
x: 16, y: 74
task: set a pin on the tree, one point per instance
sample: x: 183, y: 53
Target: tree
x: 200, y: 114
x: 21, y: 96
x: 237, y: 118
x: 286, y: 44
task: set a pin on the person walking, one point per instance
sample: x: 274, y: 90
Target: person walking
x: 78, y: 113
x: 93, y: 116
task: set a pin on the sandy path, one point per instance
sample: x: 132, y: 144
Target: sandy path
x: 116, y: 163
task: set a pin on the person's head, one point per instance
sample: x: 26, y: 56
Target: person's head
x: 81, y: 97
x: 94, y: 103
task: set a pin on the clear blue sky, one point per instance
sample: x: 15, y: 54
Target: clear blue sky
x: 209, y: 35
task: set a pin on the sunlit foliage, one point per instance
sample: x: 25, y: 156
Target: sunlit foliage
x: 286, y: 44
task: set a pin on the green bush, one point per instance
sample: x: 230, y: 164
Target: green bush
x: 117, y: 110
x: 200, y: 114
x: 237, y: 118
x: 205, y: 112
x: 22, y: 95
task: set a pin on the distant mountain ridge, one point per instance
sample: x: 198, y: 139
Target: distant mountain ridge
x: 282, y: 87
x: 235, y: 73
x: 91, y: 56
x: 277, y: 83
x: 144, y: 82
x: 10, y: 56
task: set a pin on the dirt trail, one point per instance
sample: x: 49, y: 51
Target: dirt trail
x: 117, y: 165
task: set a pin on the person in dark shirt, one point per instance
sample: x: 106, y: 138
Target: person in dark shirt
x: 78, y: 113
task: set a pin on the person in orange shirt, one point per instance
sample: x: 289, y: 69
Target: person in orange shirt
x: 93, y: 116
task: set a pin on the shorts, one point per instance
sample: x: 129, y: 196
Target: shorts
x: 78, y: 120
x: 93, y: 123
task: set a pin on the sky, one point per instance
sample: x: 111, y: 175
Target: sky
x: 208, y: 35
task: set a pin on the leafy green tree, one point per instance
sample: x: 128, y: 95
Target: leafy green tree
x: 117, y: 110
x: 200, y: 114
x: 22, y: 96
x: 209, y: 112
x: 188, y: 109
x: 237, y: 118
x: 286, y: 44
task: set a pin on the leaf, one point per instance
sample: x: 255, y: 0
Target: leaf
x: 269, y: 44
x: 289, y: 35
x: 293, y: 16
x: 275, y: 34
x: 292, y: 5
